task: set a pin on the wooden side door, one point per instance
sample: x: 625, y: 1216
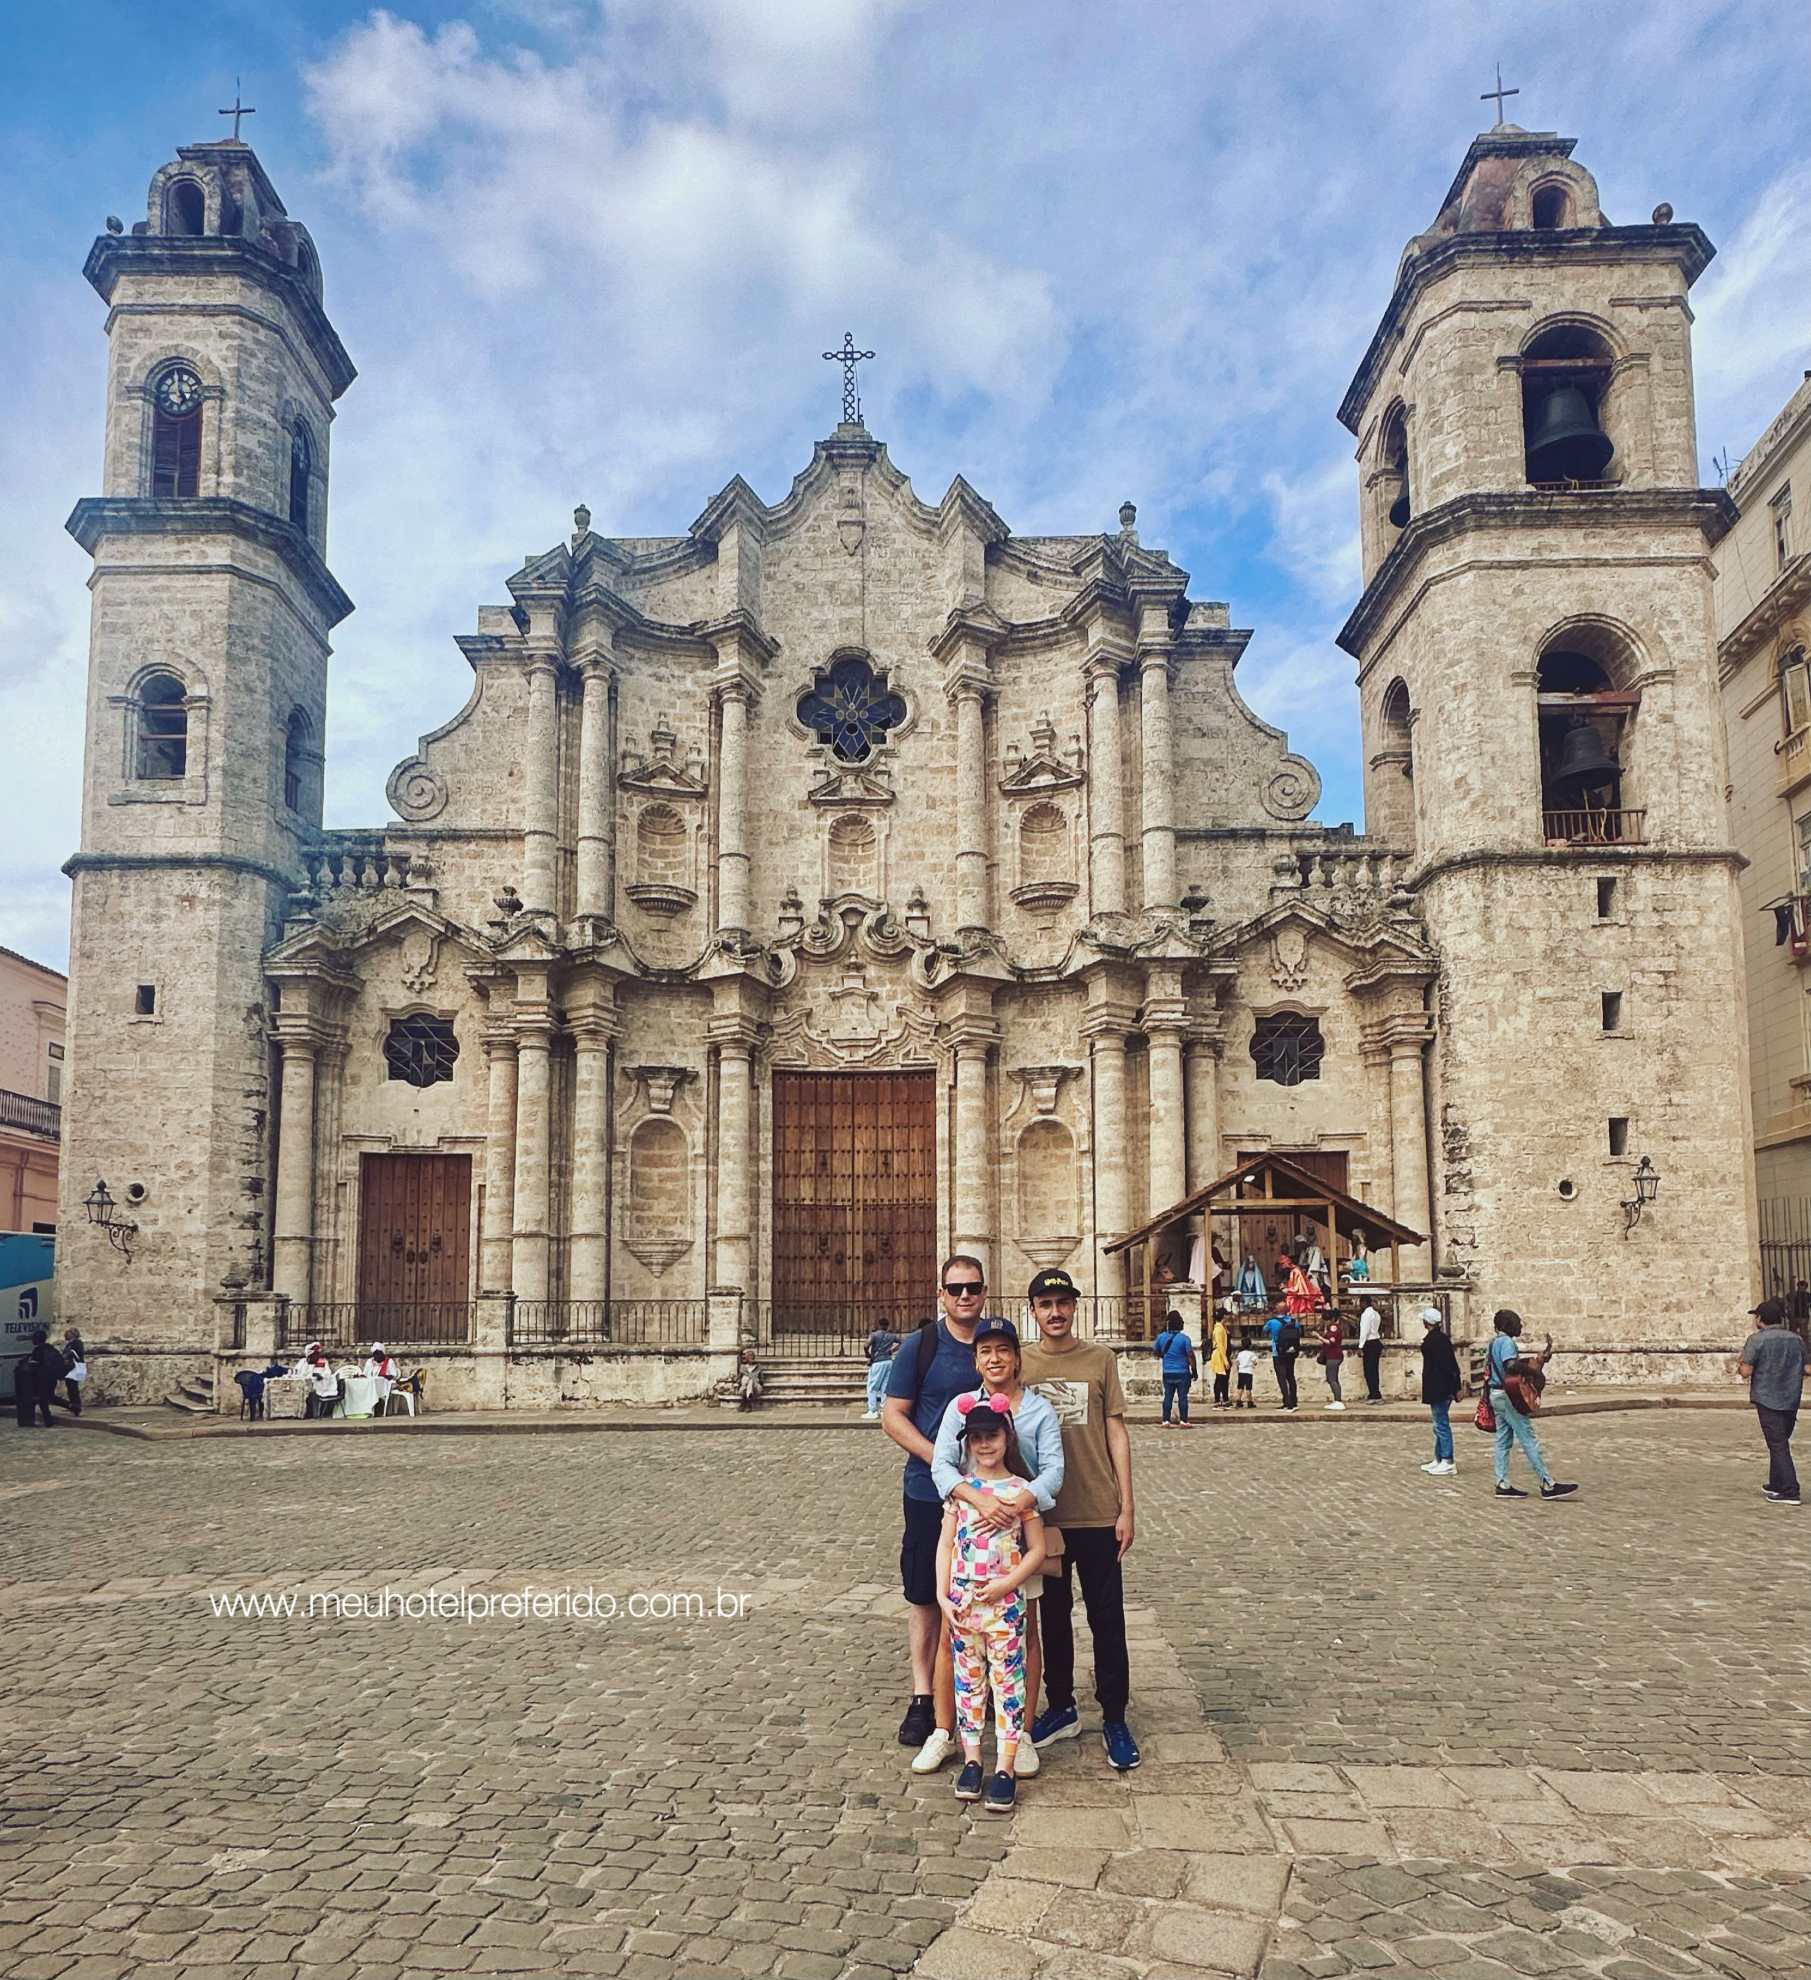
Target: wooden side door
x: 414, y: 1238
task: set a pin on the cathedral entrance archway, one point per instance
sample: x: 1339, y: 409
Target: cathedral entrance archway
x: 854, y: 1207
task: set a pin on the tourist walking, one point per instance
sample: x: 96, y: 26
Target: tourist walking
x: 982, y: 1569
x: 1080, y: 1381
x: 1285, y: 1332
x: 35, y: 1377
x: 1332, y: 1354
x: 1775, y: 1361
x: 1514, y: 1375
x: 931, y: 1369
x: 75, y: 1369
x: 882, y: 1345
x: 1440, y: 1386
x: 1177, y: 1353
x: 1219, y: 1359
x: 1248, y: 1368
x: 1370, y: 1349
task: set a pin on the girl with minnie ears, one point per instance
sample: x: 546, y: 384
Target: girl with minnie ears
x: 982, y: 1569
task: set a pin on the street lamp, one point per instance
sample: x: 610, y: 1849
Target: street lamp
x: 99, y: 1205
x: 1647, y: 1186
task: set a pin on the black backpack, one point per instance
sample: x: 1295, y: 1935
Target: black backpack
x: 1289, y: 1339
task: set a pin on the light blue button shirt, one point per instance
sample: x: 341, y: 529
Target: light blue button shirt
x: 1040, y: 1438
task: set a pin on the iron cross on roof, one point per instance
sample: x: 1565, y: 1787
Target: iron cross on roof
x: 239, y: 109
x: 1499, y: 93
x: 849, y: 357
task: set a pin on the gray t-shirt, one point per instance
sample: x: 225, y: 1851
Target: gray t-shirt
x: 1777, y: 1356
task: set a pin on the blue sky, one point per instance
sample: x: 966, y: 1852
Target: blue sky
x: 587, y: 251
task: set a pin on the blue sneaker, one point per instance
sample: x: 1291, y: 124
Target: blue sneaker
x: 1055, y: 1722
x: 968, y: 1782
x: 1122, y: 1748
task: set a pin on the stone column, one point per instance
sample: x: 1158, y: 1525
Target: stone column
x: 1201, y: 1054
x: 733, y: 911
x: 1162, y: 1021
x: 1159, y: 781
x: 1107, y: 1064
x: 1106, y: 829
x: 292, y: 1247
x: 1408, y: 1141
x: 596, y: 886
x: 734, y: 1038
x: 497, y: 1260
x: 540, y: 788
x: 534, y: 1147
x: 593, y: 1031
x: 971, y: 808
x: 972, y: 1230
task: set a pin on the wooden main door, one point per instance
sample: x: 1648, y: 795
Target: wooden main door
x: 854, y: 1201
x: 414, y: 1245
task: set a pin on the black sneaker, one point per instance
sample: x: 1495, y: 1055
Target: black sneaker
x: 1781, y: 1498
x: 1513, y: 1492
x: 1001, y: 1796
x: 1558, y: 1491
x: 968, y: 1782
x: 921, y: 1716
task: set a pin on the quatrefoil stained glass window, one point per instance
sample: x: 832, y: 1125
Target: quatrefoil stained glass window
x: 851, y: 708
x: 1287, y: 1048
x: 421, y: 1050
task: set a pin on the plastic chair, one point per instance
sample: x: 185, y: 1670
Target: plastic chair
x: 251, y: 1394
x: 401, y: 1390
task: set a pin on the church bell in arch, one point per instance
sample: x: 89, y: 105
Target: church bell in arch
x: 1567, y: 444
x: 1584, y: 764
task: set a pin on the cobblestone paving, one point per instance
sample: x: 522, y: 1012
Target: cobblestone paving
x: 1391, y: 1726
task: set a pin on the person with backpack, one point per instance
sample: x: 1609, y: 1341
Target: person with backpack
x: 1177, y: 1353
x: 35, y: 1377
x: 882, y: 1345
x: 1285, y: 1332
x: 934, y: 1365
x: 75, y: 1369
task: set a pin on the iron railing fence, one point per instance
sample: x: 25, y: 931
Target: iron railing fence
x: 356, y: 1323
x: 584, y: 1323
x: 1786, y: 1252
x: 813, y: 1329
x: 29, y: 1116
x: 1595, y: 828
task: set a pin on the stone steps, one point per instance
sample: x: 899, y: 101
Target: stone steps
x: 829, y: 1380
x: 193, y: 1394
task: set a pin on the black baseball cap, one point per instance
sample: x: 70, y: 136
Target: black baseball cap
x: 1052, y: 1280
x: 996, y: 1329
x: 1770, y: 1312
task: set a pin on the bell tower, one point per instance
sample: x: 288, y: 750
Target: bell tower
x: 207, y: 679
x: 1538, y: 692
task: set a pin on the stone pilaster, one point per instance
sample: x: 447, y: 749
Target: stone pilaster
x: 1407, y: 1043
x: 964, y: 647
x: 1201, y: 1070
x: 1163, y: 1019
x: 534, y: 1134
x: 1106, y: 800
x: 742, y: 651
x: 1107, y: 1019
x: 591, y: 1015
x: 292, y: 1260
x: 732, y: 1034
x: 596, y: 872
x: 1158, y: 773
x: 972, y: 1040
x: 497, y: 1239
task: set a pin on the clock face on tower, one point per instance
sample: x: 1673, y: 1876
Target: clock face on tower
x: 178, y: 392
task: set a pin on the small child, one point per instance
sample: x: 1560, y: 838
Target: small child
x: 1247, y: 1365
x: 981, y: 1574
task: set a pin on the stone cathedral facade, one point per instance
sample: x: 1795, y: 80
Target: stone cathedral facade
x: 844, y: 880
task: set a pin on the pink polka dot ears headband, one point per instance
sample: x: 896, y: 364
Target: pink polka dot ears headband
x: 998, y: 1404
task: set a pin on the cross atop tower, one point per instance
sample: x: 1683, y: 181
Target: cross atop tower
x: 242, y: 109
x: 1499, y: 93
x: 849, y: 357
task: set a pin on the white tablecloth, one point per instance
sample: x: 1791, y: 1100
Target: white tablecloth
x: 360, y: 1397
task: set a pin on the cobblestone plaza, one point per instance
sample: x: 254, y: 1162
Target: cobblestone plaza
x: 1390, y: 1725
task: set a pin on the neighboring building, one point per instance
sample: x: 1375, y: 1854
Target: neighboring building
x: 32, y: 1001
x: 1763, y: 596
x: 845, y: 880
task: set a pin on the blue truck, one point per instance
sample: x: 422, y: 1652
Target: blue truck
x: 28, y: 1297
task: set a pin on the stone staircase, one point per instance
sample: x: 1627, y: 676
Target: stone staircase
x: 193, y: 1395
x: 836, y: 1381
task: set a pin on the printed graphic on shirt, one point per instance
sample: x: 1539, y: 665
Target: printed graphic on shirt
x: 1068, y: 1399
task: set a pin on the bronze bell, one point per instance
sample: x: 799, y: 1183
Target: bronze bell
x: 1566, y: 443
x: 1583, y: 759
x: 1399, y: 511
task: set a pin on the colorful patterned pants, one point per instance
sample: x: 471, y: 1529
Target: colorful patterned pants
x: 990, y: 1645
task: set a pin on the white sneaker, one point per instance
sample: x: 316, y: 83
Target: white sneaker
x: 1440, y: 1468
x: 932, y: 1754
x: 1027, y: 1763
x: 1336, y: 1405
x: 870, y: 1416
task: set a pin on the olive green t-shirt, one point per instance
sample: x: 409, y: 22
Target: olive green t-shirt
x: 1082, y: 1386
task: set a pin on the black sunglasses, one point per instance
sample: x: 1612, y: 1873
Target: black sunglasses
x: 965, y: 1288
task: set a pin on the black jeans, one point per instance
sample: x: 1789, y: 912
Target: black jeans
x: 1220, y: 1382
x: 1776, y: 1427
x: 73, y: 1390
x: 1285, y: 1372
x: 1373, y: 1360
x: 1093, y: 1553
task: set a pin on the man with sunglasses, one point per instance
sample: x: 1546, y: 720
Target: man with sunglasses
x: 927, y: 1376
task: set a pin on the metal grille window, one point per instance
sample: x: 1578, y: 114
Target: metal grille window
x: 1287, y: 1048
x: 163, y: 728
x: 851, y: 708
x: 421, y: 1050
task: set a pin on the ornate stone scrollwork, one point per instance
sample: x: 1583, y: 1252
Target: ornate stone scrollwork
x: 1293, y: 790
x: 416, y: 791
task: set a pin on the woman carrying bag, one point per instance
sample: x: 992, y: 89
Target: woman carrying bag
x: 1513, y: 1393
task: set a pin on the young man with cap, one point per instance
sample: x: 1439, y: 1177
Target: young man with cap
x: 1440, y: 1385
x: 935, y: 1364
x: 1776, y: 1361
x: 1080, y: 1381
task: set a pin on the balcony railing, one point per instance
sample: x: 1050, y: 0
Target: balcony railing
x: 29, y: 1116
x: 1794, y: 761
x: 356, y: 1323
x: 1594, y: 828
x: 598, y: 1323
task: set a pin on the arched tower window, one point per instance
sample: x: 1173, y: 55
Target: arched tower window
x: 185, y: 208
x: 295, y: 747
x: 1565, y: 377
x: 176, y: 432
x: 301, y: 466
x: 163, y: 728
x: 852, y: 861
x: 1550, y: 207
x: 1390, y: 793
x: 1585, y: 736
x: 1393, y: 454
